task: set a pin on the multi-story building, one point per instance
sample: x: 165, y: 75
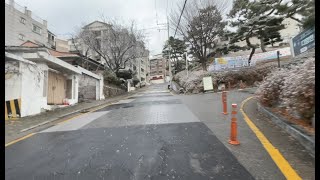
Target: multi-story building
x: 138, y: 65
x: 76, y: 45
x: 158, y: 68
x: 22, y: 25
x: 62, y: 45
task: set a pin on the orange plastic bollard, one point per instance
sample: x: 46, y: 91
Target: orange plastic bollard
x: 224, y: 102
x: 233, y: 135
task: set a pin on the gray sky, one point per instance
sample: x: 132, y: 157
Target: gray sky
x: 64, y: 16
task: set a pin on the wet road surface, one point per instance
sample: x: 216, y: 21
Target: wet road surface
x: 152, y: 135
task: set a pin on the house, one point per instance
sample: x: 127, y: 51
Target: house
x: 39, y: 79
x: 90, y: 84
x: 22, y: 25
x: 35, y: 81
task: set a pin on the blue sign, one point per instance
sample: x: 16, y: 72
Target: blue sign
x: 303, y: 41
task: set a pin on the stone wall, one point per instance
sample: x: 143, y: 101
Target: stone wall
x: 87, y: 87
x: 109, y: 91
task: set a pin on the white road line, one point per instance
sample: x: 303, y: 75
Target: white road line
x: 76, y: 123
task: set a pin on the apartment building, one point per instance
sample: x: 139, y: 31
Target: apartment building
x: 22, y: 25
x: 138, y: 65
x: 158, y: 70
x: 76, y: 45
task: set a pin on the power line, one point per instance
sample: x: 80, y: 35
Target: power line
x: 184, y: 5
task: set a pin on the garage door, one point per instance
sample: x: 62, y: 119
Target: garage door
x: 56, y: 88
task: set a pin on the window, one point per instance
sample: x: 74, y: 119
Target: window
x: 21, y: 36
x: 23, y: 20
x: 142, y: 70
x: 160, y: 71
x: 36, y: 29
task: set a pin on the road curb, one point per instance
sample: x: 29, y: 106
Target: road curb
x: 304, y: 139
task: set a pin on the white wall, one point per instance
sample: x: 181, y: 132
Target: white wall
x: 32, y: 99
x: 13, y: 26
x: 12, y: 80
x: 158, y: 81
x: 75, y: 88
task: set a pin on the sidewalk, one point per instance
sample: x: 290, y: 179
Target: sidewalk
x: 250, y: 153
x: 298, y: 157
x: 15, y: 129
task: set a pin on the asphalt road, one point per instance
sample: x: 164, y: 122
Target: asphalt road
x: 152, y: 135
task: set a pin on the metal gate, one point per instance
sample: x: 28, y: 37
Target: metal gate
x: 56, y: 88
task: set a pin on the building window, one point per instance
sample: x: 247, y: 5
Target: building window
x: 23, y: 20
x: 160, y: 71
x: 36, y: 29
x: 21, y: 37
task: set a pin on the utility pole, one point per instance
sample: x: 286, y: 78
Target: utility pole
x: 170, y: 72
x: 187, y: 64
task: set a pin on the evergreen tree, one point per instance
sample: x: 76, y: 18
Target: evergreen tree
x: 177, y: 49
x: 255, y: 19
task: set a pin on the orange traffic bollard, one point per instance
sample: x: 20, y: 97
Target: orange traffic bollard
x: 233, y: 135
x: 224, y: 102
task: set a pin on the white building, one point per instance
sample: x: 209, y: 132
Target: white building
x: 38, y: 81
x: 291, y: 29
x: 22, y: 25
x: 138, y: 65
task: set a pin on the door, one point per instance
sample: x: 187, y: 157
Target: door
x: 56, y: 88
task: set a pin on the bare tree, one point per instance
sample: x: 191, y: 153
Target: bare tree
x: 115, y: 43
x: 200, y: 25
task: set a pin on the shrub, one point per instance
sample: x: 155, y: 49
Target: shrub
x: 111, y: 78
x: 135, y: 81
x: 125, y: 74
x: 270, y: 89
x: 298, y: 93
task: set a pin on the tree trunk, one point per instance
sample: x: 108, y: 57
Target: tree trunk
x: 251, y: 54
x: 262, y: 46
x: 253, y: 48
x: 204, y: 64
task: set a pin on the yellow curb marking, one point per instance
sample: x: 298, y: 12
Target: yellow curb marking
x: 275, y: 154
x: 17, y: 140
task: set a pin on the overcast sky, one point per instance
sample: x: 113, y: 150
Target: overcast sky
x: 64, y: 16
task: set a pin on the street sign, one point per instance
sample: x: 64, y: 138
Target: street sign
x: 207, y: 83
x: 303, y: 41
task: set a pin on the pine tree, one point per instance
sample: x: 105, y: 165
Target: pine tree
x: 177, y: 52
x: 255, y: 19
x: 304, y: 8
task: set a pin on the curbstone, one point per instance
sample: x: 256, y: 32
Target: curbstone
x: 304, y: 139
